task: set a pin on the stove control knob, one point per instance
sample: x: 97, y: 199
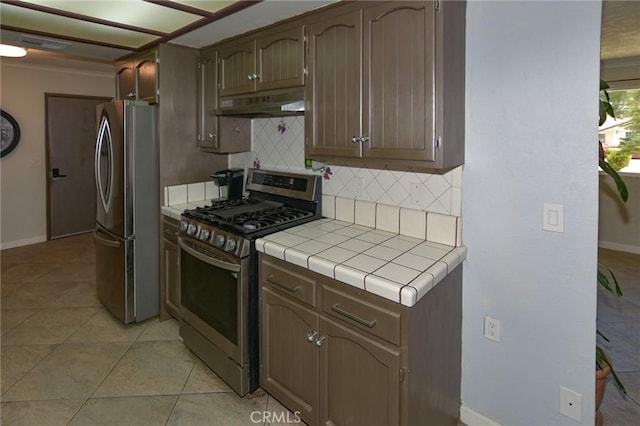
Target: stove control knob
x: 204, y: 234
x: 218, y: 241
x: 183, y: 225
x: 192, y: 229
x: 230, y: 245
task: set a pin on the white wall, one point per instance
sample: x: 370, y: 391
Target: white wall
x: 532, y: 90
x: 23, y: 174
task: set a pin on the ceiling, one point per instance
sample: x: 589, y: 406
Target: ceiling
x: 104, y: 30
x: 101, y: 31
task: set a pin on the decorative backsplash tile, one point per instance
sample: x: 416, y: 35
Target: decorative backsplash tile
x: 278, y: 144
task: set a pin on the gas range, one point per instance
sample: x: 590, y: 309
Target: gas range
x: 276, y: 201
x: 219, y: 269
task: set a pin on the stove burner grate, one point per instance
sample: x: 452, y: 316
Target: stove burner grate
x: 247, y: 215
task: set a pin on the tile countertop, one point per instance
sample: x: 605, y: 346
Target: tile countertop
x: 179, y: 198
x: 394, y: 266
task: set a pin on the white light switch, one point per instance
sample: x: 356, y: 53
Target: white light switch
x: 553, y: 217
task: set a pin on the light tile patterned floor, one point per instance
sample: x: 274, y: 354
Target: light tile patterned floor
x: 619, y: 321
x: 67, y: 361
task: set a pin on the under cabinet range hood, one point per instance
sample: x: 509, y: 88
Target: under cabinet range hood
x: 274, y: 105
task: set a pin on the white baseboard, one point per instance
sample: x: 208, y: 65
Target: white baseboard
x: 25, y: 242
x: 619, y: 247
x: 472, y: 418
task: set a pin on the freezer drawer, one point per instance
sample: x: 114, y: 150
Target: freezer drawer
x: 114, y: 274
x: 127, y: 275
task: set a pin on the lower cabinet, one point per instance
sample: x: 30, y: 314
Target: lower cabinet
x: 289, y: 356
x: 359, y: 378
x: 337, y: 355
x: 170, y: 272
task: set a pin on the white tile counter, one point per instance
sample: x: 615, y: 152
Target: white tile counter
x: 397, y: 267
x: 179, y: 198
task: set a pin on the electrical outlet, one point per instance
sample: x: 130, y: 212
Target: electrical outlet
x: 571, y: 404
x: 358, y: 187
x: 492, y: 328
x: 418, y: 194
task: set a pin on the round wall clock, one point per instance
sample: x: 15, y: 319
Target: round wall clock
x: 10, y: 132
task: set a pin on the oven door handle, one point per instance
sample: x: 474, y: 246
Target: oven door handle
x: 218, y: 263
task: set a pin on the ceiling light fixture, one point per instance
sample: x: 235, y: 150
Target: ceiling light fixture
x: 12, y: 51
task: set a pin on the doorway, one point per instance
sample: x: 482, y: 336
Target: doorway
x: 70, y: 148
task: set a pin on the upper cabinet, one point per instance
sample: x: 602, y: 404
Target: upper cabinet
x: 208, y: 100
x: 217, y: 134
x: 386, y: 85
x: 137, y: 77
x: 272, y: 59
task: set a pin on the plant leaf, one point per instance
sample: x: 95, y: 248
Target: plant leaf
x: 622, y: 188
x: 618, y: 289
x: 601, y: 361
x: 604, y: 282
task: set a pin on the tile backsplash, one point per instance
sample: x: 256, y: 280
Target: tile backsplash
x: 278, y: 143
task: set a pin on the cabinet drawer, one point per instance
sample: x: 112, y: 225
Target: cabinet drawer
x: 361, y: 314
x: 286, y: 280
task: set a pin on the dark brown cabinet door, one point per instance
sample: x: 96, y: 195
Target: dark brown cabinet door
x: 237, y: 68
x: 125, y: 81
x: 171, y: 267
x: 288, y: 354
x: 398, y: 66
x: 208, y: 138
x: 172, y: 278
x: 280, y: 59
x: 359, y: 379
x: 147, y: 73
x: 333, y: 87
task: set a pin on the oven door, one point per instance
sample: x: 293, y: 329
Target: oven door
x: 214, y: 296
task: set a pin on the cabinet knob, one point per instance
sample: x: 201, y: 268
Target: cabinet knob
x: 311, y: 337
x: 212, y: 135
x: 364, y: 139
x: 131, y: 95
x: 250, y: 77
x: 320, y: 341
x: 355, y: 139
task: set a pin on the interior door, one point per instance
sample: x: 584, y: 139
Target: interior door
x: 70, y: 143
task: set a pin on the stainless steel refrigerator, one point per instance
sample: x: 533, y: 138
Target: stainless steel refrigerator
x: 128, y: 210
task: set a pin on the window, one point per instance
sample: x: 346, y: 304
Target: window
x: 621, y: 136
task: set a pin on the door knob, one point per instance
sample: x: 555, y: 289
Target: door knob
x: 55, y: 174
x: 311, y: 337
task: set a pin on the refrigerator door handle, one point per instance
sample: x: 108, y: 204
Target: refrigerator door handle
x: 107, y: 242
x: 104, y: 135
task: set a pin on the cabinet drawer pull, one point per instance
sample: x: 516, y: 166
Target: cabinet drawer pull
x: 270, y: 280
x: 338, y: 309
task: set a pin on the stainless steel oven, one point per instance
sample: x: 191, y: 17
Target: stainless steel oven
x: 218, y: 269
x: 214, y: 295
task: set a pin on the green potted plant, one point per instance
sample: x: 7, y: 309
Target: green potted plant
x: 604, y: 366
